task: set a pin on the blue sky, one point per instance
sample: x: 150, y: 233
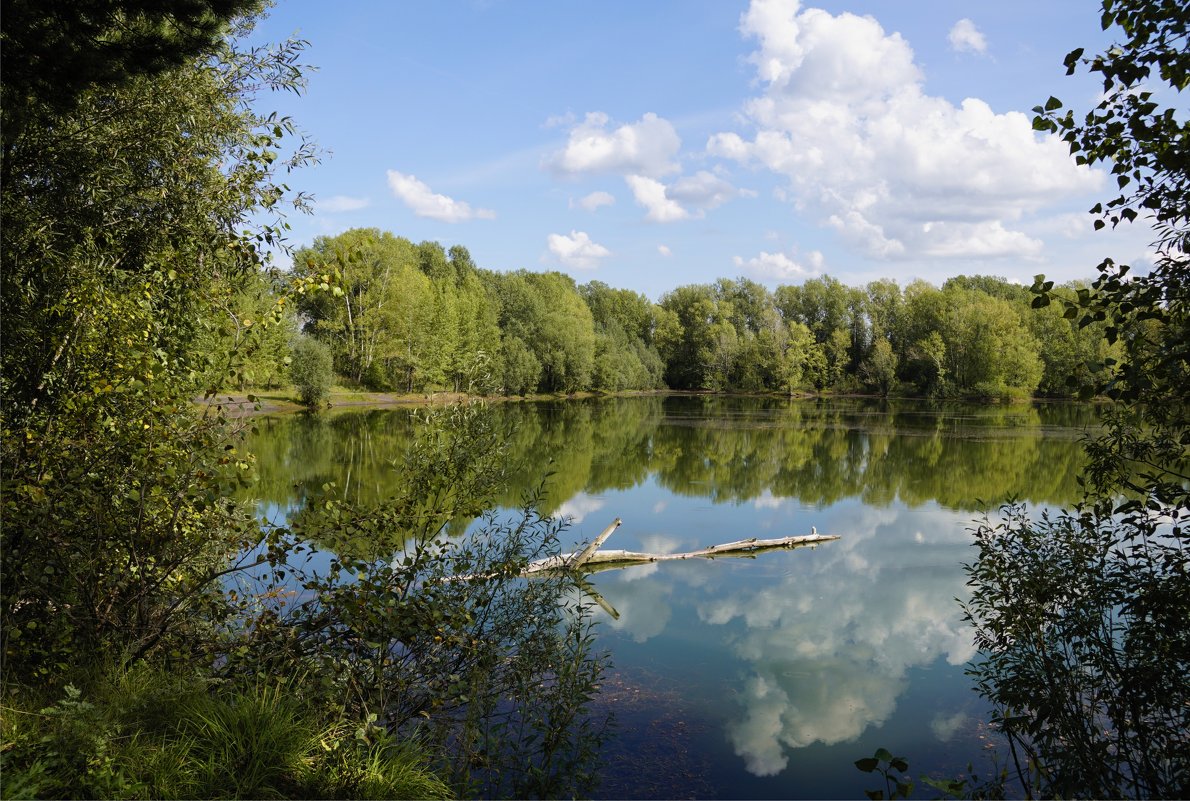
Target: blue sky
x: 654, y: 143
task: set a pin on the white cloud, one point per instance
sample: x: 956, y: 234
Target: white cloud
x: 766, y: 500
x: 594, y: 200
x: 425, y: 203
x: 577, y: 508
x: 665, y: 251
x: 780, y: 267
x: 576, y: 250
x: 336, y: 204
x: 966, y: 38
x: 703, y: 189
x: 652, y: 196
x: 843, y: 116
x: 645, y: 147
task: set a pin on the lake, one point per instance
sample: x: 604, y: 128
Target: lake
x: 765, y: 677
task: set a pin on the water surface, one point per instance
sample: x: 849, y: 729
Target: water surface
x: 766, y: 677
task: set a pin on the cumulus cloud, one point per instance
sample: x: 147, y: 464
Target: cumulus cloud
x: 651, y: 194
x: 576, y: 250
x: 688, y: 196
x: 844, y: 117
x: 594, y: 200
x: 780, y: 267
x: 966, y: 38
x: 703, y: 190
x: 336, y: 204
x: 425, y: 203
x: 664, y: 251
x: 646, y: 147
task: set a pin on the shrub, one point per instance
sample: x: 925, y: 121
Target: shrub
x: 311, y: 370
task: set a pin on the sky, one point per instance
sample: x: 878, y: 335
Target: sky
x: 650, y: 144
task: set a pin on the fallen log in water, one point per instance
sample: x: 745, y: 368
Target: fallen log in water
x: 592, y: 560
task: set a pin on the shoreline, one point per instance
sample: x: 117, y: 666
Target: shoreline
x: 250, y: 404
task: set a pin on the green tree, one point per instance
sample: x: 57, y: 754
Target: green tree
x: 120, y: 214
x: 880, y: 368
x: 311, y: 371
x: 988, y: 348
x: 378, y: 323
x: 522, y: 370
x: 248, y: 342
x: 56, y: 51
x: 625, y: 356
x: 687, y: 339
x: 1083, y: 617
x: 123, y: 539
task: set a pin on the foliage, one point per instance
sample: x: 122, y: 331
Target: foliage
x: 117, y: 526
x: 439, y: 634
x: 898, y: 784
x: 145, y: 733
x: 888, y: 766
x: 311, y: 371
x: 1083, y: 617
x: 1080, y: 619
x: 134, y: 208
x: 880, y: 369
x: 56, y: 51
x: 421, y: 318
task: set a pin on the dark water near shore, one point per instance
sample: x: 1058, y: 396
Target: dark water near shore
x: 766, y: 677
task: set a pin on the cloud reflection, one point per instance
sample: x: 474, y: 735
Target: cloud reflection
x: 828, y: 646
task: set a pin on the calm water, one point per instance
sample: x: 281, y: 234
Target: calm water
x: 767, y: 677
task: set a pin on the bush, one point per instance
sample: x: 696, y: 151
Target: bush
x: 311, y: 370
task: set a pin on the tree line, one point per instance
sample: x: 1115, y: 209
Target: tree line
x: 417, y: 317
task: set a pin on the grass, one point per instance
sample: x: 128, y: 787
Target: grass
x: 144, y: 733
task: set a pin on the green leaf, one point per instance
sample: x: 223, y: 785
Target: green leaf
x: 1053, y: 104
x: 867, y: 764
x: 884, y: 755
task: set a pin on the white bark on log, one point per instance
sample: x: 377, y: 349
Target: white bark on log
x: 591, y: 560
x: 589, y: 551
x: 611, y: 559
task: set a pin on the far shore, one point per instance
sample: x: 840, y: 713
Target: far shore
x: 285, y: 401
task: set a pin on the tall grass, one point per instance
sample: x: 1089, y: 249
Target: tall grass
x: 148, y: 734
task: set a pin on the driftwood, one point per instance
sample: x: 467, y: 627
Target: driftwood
x: 592, y: 560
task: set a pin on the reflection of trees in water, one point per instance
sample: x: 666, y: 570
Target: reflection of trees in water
x: 722, y: 448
